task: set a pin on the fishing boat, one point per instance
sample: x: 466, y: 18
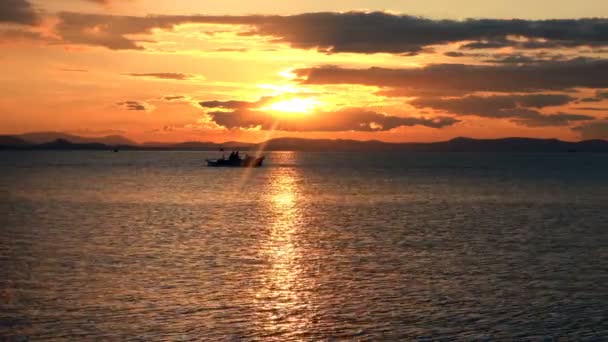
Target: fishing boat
x: 236, y: 161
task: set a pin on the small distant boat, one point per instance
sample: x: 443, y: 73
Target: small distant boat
x: 235, y: 161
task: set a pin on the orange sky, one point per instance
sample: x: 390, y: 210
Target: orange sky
x: 109, y: 68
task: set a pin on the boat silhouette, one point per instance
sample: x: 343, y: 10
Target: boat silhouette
x: 234, y: 160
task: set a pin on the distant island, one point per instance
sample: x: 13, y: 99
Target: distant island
x: 62, y: 141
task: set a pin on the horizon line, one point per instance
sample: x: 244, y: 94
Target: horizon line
x: 18, y: 135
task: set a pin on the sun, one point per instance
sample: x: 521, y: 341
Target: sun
x: 293, y: 105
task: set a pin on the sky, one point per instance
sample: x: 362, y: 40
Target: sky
x: 190, y: 70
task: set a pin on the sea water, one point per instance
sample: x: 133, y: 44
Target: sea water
x: 312, y: 246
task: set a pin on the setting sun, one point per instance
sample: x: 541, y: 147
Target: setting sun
x: 294, y: 105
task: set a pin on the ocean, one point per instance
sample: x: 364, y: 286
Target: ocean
x: 312, y: 246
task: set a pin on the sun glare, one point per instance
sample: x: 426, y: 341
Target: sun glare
x: 294, y: 105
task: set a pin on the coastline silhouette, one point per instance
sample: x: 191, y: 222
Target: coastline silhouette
x: 298, y: 144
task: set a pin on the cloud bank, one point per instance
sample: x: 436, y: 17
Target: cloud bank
x: 354, y: 32
x: 519, y: 108
x: 593, y: 130
x: 18, y: 12
x: 454, y: 79
x: 134, y: 105
x: 248, y: 115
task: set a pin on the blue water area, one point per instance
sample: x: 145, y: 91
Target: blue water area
x: 312, y: 246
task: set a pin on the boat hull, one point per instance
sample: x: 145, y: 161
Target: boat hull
x: 247, y: 162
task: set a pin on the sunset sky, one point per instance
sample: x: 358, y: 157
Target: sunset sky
x: 191, y: 70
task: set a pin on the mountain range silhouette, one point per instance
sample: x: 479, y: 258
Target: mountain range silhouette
x: 63, y: 141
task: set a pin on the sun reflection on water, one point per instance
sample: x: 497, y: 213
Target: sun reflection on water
x: 282, y: 294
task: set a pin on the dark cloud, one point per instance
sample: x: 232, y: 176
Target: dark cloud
x: 521, y: 109
x: 591, y: 99
x: 485, y: 44
x: 456, y: 54
x: 244, y: 114
x: 174, y: 98
x: 234, y: 104
x: 383, y: 32
x: 18, y: 34
x: 112, y: 31
x: 420, y: 92
x: 358, y: 32
x: 107, y: 30
x: 355, y: 119
x: 515, y: 58
x: 491, y: 104
x: 165, y: 75
x: 18, y: 12
x: 454, y: 79
x: 600, y: 96
x: 541, y: 100
x: 533, y: 44
x: 133, y: 105
x: 536, y: 119
x: 592, y: 108
x: 593, y: 130
x: 526, y: 59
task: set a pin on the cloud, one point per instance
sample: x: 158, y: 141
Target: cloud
x: 351, y: 119
x: 473, y: 103
x: 515, y: 58
x: 456, y: 54
x: 234, y: 104
x: 174, y: 98
x: 135, y: 105
x: 593, y: 130
x: 591, y: 99
x: 73, y: 70
x: 19, y: 34
x: 107, y: 30
x: 455, y: 79
x: 521, y: 109
x: 522, y: 59
x: 531, y: 44
x: 600, y: 96
x: 536, y: 119
x: 592, y: 108
x: 357, y: 32
x: 18, y: 12
x: 603, y: 94
x: 165, y: 75
x: 114, y: 31
x: 541, y: 100
x: 247, y: 115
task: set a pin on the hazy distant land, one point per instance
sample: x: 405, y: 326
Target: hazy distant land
x: 62, y: 141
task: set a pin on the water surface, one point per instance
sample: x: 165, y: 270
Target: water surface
x: 155, y: 246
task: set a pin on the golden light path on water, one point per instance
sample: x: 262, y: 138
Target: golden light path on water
x: 283, y: 308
